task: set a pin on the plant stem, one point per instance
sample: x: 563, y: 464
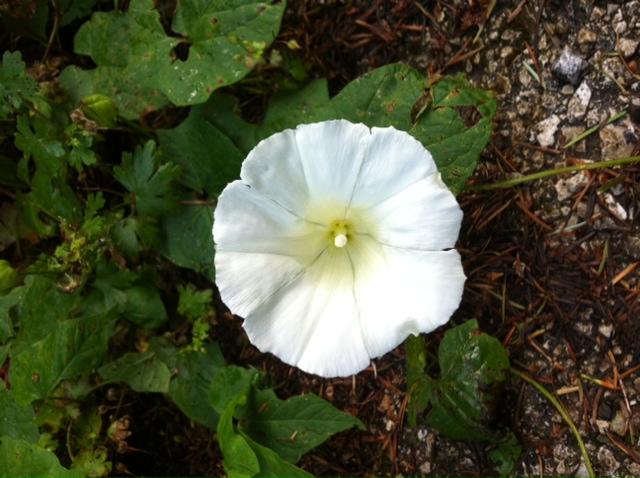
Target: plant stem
x: 553, y: 172
x: 564, y: 414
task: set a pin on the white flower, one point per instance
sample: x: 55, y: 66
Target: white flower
x: 336, y: 244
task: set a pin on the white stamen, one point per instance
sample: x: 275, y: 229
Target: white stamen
x: 340, y: 240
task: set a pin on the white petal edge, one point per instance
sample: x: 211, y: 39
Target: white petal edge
x: 424, y: 216
x: 273, y: 168
x: 413, y: 292
x: 394, y: 161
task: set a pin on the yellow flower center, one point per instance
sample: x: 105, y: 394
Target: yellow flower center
x: 339, y: 231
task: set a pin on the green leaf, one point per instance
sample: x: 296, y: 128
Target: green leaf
x: 140, y: 68
x: 152, y: 185
x: 92, y: 462
x: 101, y: 109
x: 8, y: 279
x: 144, y: 306
x: 143, y: 372
x: 506, y: 454
x: 391, y: 95
x: 133, y: 234
x: 53, y: 195
x: 16, y: 421
x: 270, y: 463
x: 14, y: 84
x: 472, y: 365
x: 21, y: 458
x: 39, y: 143
x: 239, y: 457
x: 456, y: 145
x: 75, y: 346
x: 383, y: 97
x: 293, y: 427
x: 186, y: 239
x: 419, y: 396
x: 228, y: 383
x: 190, y: 384
x: 208, y: 157
x: 42, y: 310
x: 451, y: 118
x: 8, y: 310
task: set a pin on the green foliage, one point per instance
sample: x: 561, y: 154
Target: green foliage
x: 460, y: 402
x: 141, y: 69
x: 472, y: 364
x: 21, y: 458
x: 152, y: 185
x: 271, y: 434
x: 15, y: 86
x: 102, y: 211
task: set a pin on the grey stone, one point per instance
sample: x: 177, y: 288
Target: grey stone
x: 569, y: 66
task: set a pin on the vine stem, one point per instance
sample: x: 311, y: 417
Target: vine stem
x: 564, y: 414
x: 553, y: 172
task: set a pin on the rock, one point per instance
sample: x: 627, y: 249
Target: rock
x: 546, y: 130
x: 579, y: 102
x: 565, y: 188
x: 567, y: 89
x: 586, y: 36
x: 613, y: 142
x: 628, y: 47
x: 569, y: 66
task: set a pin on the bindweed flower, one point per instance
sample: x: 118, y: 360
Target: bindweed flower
x: 336, y: 244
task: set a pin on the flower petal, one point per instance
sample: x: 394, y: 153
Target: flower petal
x: 331, y: 153
x: 394, y: 161
x: 247, y: 221
x: 425, y: 216
x: 412, y: 292
x: 273, y: 168
x: 248, y: 281
x: 312, y: 322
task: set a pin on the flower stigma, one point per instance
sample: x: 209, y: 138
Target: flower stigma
x: 339, y: 231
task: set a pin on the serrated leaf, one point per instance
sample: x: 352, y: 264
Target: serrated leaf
x: 16, y: 421
x: 14, y: 84
x: 143, y: 372
x: 138, y: 65
x: 153, y: 185
x: 133, y: 234
x: 39, y: 144
x: 21, y: 458
x: 54, y: 196
x: 295, y: 426
x: 74, y: 347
